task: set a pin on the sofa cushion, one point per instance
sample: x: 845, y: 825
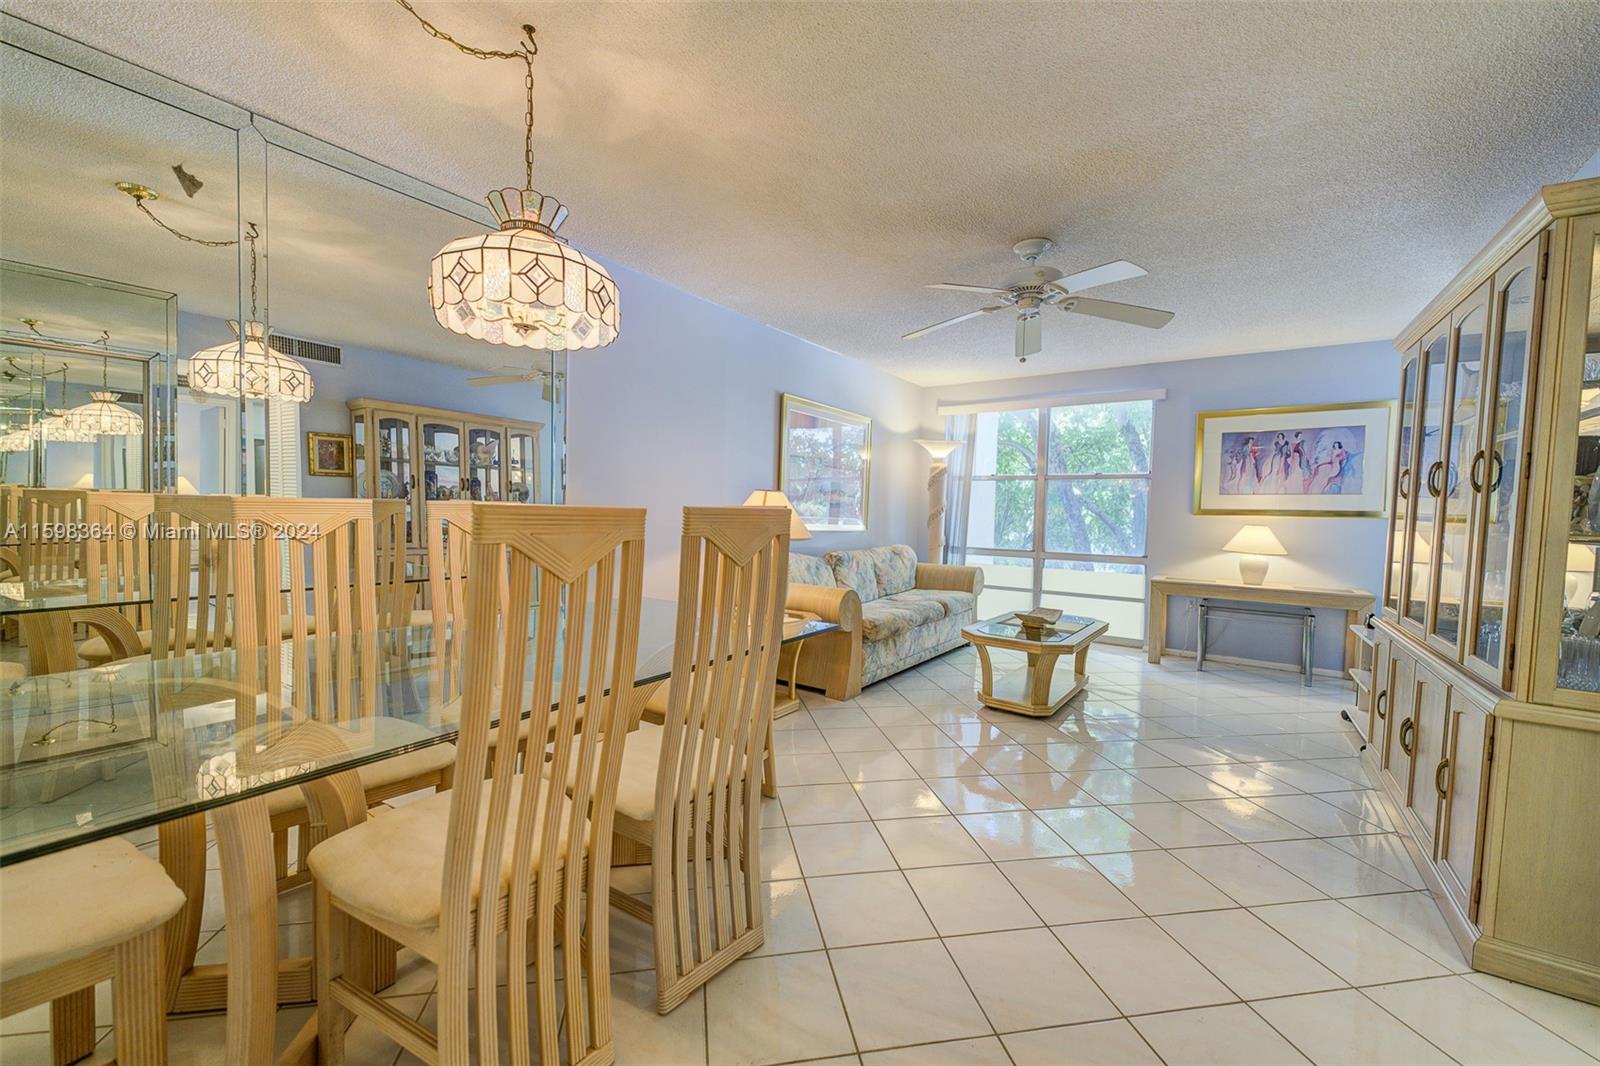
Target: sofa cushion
x: 896, y: 567
x: 854, y: 570
x: 956, y: 604
x: 809, y: 570
x: 892, y: 615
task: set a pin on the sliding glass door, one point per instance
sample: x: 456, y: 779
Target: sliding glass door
x: 1058, y: 510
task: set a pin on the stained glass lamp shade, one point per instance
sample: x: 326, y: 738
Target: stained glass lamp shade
x: 18, y: 440
x: 260, y: 372
x: 522, y: 285
x: 102, y: 416
x: 58, y: 426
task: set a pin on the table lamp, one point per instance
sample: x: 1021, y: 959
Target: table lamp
x: 940, y: 451
x: 775, y: 498
x: 1253, y: 544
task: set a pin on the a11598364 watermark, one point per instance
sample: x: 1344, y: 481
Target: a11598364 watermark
x: 79, y: 532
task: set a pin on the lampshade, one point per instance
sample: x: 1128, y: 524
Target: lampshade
x: 17, y: 440
x: 939, y: 449
x: 260, y: 372
x: 186, y: 487
x: 775, y: 498
x: 522, y: 285
x: 1255, y: 540
x: 57, y: 427
x: 1580, y: 559
x: 104, y: 417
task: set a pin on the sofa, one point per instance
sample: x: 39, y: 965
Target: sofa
x: 892, y: 611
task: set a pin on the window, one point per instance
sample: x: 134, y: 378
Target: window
x: 1058, y: 510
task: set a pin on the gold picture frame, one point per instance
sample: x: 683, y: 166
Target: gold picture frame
x: 1306, y: 461
x: 330, y: 454
x: 825, y: 464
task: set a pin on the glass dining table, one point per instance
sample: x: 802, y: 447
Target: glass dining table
x: 92, y: 753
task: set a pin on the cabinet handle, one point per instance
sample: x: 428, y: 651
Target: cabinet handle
x: 1477, y: 470
x: 1383, y: 698
x: 1407, y: 727
x: 1405, y: 483
x: 1499, y: 469
x: 1433, y: 477
x: 1438, y: 778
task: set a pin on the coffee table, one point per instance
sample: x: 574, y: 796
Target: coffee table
x: 1037, y: 690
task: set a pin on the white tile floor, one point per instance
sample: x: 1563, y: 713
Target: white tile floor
x: 1187, y: 868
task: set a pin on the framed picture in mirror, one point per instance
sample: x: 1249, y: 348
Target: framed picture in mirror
x: 825, y: 464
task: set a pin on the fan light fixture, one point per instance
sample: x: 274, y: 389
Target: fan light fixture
x: 521, y: 285
x: 252, y: 369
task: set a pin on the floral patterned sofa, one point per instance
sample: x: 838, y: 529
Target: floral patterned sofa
x: 893, y: 613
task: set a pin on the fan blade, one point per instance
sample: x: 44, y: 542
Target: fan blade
x: 964, y: 288
x: 1029, y: 339
x: 1104, y: 274
x: 914, y: 334
x: 502, y: 379
x: 1132, y: 314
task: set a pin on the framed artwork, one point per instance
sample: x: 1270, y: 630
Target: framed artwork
x: 825, y: 464
x: 1328, y: 460
x: 330, y: 454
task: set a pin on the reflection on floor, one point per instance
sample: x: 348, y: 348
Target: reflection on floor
x: 1185, y: 868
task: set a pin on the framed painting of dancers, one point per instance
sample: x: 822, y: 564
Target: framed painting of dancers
x: 1329, y: 460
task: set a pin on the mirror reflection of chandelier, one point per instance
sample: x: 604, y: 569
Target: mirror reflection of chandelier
x: 103, y: 416
x: 58, y: 424
x: 521, y: 285
x: 247, y: 367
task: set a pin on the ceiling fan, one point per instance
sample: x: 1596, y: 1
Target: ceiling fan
x: 1037, y: 287
x: 550, y: 383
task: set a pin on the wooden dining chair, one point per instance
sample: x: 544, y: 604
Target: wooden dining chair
x: 449, y: 537
x: 689, y: 786
x: 306, y: 609
x: 50, y: 551
x: 118, y: 553
x: 78, y: 917
x: 448, y: 874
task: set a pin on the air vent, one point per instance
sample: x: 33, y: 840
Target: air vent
x: 314, y: 351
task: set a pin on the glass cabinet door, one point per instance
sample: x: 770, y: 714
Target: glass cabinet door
x: 1460, y: 474
x: 396, y: 474
x: 1404, y: 483
x: 522, y: 475
x: 441, y: 460
x: 1432, y: 379
x: 1578, y: 667
x: 1503, y: 468
x: 358, y: 435
x: 484, y: 474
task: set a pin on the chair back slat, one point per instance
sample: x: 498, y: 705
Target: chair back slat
x: 389, y: 536
x: 732, y: 577
x: 572, y: 669
x: 118, y: 546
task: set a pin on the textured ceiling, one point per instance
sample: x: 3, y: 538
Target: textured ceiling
x: 1290, y: 174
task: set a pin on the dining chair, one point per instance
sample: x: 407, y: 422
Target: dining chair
x: 49, y: 549
x: 74, y: 918
x: 306, y: 607
x: 117, y: 551
x: 446, y: 875
x: 688, y: 787
x: 449, y: 537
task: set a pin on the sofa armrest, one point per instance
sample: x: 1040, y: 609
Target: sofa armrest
x: 949, y: 578
x: 837, y: 605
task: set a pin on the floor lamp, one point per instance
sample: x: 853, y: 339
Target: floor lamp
x: 940, y: 451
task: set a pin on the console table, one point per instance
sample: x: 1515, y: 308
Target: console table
x: 1353, y: 602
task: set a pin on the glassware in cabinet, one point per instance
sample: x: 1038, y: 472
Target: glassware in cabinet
x: 484, y: 473
x: 522, y: 473
x: 1578, y: 666
x: 441, y: 460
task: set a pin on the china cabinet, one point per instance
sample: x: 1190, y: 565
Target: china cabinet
x: 417, y: 454
x: 1483, y: 721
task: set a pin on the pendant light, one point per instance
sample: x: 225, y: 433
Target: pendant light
x: 521, y: 285
x: 57, y: 426
x: 247, y: 367
x: 102, y: 416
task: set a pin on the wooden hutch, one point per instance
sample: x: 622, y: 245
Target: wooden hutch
x: 1482, y: 707
x: 418, y: 454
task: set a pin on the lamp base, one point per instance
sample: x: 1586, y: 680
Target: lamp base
x: 1253, y: 569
